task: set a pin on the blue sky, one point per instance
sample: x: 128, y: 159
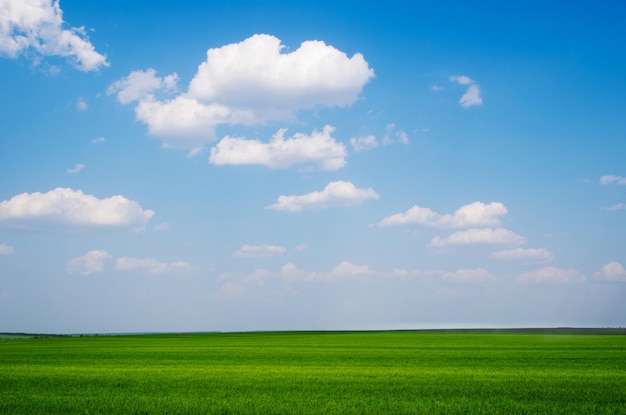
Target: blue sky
x: 189, y: 166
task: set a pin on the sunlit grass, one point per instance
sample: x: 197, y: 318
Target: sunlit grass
x: 312, y: 373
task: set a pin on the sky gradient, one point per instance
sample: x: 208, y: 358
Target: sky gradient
x: 194, y: 166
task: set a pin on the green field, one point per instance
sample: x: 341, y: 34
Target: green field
x: 409, y: 372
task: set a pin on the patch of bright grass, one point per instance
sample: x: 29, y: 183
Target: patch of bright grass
x: 316, y: 373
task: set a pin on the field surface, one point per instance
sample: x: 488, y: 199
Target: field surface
x: 316, y: 373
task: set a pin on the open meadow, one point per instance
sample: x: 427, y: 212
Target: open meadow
x: 404, y: 372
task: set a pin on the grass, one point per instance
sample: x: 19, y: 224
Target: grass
x: 316, y: 373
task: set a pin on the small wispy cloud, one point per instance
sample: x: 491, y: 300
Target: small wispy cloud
x: 472, y: 94
x: 161, y: 227
x: 619, y: 206
x: 257, y: 251
x: 611, y: 178
x: 152, y: 265
x: 6, y: 249
x: 81, y: 104
x: 392, y: 135
x: 364, y: 143
x: 98, y: 140
x: 91, y: 262
x: 76, y: 169
x: 461, y: 79
x: 552, y: 275
x: 194, y: 152
x: 524, y: 254
x: 468, y: 276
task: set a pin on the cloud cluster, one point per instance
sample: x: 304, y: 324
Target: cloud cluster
x: 369, y: 142
x: 319, y: 149
x: 282, y: 281
x: 472, y: 94
x: 471, y: 215
x: 363, y: 143
x: 73, y: 207
x: 256, y: 251
x: 249, y: 82
x: 339, y: 193
x: 393, y: 136
x: 36, y: 27
x: 480, y: 217
x: 235, y: 287
x: 94, y: 261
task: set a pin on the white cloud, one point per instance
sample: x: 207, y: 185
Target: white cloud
x: 471, y: 97
x: 479, y: 236
x: 472, y: 94
x: 73, y: 207
x: 471, y: 215
x: 36, y: 27
x: 468, y: 276
x: 301, y: 247
x: 461, y: 80
x: 338, y: 193
x: 530, y: 254
x: 613, y: 271
x: 151, y: 264
x: 6, y: 249
x: 610, y: 178
x: 552, y: 275
x: 230, y: 290
x: 259, y: 251
x: 194, y: 152
x: 619, y: 206
x: 140, y: 85
x: 98, y: 140
x: 393, y: 136
x: 319, y: 149
x: 364, y: 143
x: 246, y: 83
x: 184, y: 122
x: 161, y: 227
x: 402, y: 137
x: 91, y: 262
x: 81, y: 104
x: 76, y: 169
x: 255, y: 74
x: 347, y: 268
